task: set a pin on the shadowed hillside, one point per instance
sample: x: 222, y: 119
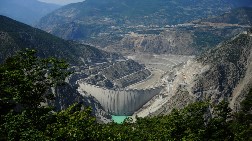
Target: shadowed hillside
x: 15, y: 36
x: 242, y: 16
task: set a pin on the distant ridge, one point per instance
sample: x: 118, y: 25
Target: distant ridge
x: 26, y: 11
x: 93, y: 17
x: 16, y: 36
x: 242, y: 16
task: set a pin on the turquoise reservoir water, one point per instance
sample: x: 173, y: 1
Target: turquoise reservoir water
x: 119, y: 119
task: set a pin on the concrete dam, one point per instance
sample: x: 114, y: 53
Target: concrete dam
x: 120, y: 102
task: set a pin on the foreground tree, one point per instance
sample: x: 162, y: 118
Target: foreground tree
x: 26, y: 80
x: 241, y: 124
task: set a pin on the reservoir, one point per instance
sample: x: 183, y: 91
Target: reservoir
x: 119, y: 119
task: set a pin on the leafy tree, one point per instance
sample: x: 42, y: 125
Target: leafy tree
x: 218, y: 126
x: 26, y: 80
x: 242, y: 121
x: 72, y: 124
x: 26, y: 125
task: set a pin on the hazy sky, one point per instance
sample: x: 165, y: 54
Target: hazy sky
x: 61, y: 2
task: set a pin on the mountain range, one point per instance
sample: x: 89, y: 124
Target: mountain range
x: 93, y: 17
x: 15, y: 36
x: 189, y: 38
x: 26, y: 11
x: 153, y: 26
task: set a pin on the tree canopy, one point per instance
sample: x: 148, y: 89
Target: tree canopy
x: 26, y: 80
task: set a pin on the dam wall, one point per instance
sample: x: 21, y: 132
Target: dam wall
x: 120, y: 102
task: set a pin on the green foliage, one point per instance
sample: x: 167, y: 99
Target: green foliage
x: 218, y: 126
x: 72, y: 124
x: 246, y: 104
x: 26, y: 80
x: 29, y: 124
x: 242, y: 123
x: 41, y: 124
x: 75, y: 124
